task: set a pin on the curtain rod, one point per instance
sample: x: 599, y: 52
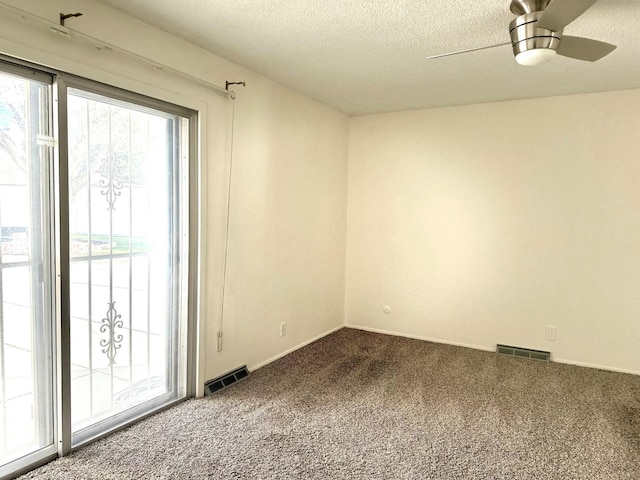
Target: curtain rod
x: 102, y: 45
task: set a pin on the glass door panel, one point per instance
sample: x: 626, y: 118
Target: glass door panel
x: 26, y: 364
x: 125, y: 245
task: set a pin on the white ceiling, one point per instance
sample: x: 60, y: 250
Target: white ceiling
x: 366, y: 56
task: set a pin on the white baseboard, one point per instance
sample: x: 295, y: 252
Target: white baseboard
x: 297, y: 347
x: 489, y: 349
x: 418, y: 337
x: 592, y: 365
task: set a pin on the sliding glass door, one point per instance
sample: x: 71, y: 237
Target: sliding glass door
x: 96, y: 260
x: 126, y: 242
x: 26, y: 366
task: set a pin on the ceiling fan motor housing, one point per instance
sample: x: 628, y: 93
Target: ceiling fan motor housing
x: 526, y: 35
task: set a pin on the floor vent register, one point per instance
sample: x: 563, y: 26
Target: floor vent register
x: 223, y: 381
x: 524, y: 352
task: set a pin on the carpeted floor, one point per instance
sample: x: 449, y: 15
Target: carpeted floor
x: 358, y: 405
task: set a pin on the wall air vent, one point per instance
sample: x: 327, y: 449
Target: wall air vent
x: 523, y: 352
x: 223, y: 381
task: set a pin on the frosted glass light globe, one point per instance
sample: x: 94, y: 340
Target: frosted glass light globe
x: 535, y: 56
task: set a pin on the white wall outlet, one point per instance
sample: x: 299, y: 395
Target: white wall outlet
x: 550, y: 333
x: 283, y: 329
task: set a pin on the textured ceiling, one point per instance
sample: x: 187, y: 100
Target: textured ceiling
x: 365, y: 56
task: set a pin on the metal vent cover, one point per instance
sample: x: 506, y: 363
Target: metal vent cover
x: 223, y: 381
x: 523, y: 352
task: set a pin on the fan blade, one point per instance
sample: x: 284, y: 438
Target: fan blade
x: 467, y: 51
x: 561, y: 13
x: 584, y: 48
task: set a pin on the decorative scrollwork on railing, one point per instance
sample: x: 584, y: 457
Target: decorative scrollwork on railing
x: 111, y: 172
x: 109, y: 324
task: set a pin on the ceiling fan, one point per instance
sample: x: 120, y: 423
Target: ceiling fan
x: 536, y: 33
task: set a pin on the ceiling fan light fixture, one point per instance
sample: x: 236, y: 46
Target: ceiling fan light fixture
x: 537, y: 33
x: 533, y: 45
x: 536, y: 56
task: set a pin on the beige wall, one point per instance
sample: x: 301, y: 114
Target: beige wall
x: 288, y: 223
x: 483, y: 224
x: 288, y: 205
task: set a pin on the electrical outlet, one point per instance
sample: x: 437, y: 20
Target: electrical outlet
x: 283, y: 329
x: 550, y: 333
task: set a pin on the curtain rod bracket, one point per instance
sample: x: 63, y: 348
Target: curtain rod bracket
x: 226, y: 87
x: 64, y: 16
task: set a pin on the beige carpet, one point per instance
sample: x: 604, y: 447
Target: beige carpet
x: 358, y: 405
